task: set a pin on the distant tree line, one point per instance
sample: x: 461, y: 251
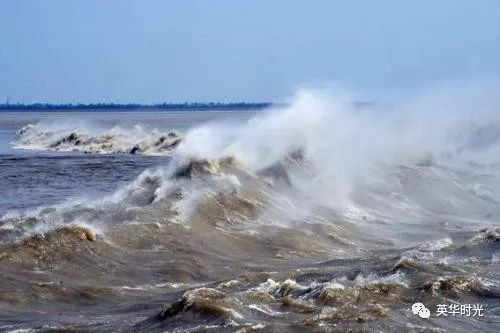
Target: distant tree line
x: 135, y: 106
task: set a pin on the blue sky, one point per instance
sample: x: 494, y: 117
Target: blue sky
x: 151, y: 51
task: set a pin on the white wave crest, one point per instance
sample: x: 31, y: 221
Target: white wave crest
x: 65, y: 137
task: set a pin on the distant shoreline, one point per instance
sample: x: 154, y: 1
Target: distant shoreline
x: 138, y: 107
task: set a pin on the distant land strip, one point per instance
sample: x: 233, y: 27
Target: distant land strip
x: 134, y: 106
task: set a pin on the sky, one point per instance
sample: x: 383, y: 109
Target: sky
x: 183, y: 51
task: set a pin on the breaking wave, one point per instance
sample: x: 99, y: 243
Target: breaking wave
x: 116, y: 140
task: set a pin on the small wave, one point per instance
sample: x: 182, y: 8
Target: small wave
x: 44, y: 250
x: 207, y: 305
x: 487, y: 236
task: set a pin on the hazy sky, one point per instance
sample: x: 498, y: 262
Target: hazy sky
x: 150, y: 51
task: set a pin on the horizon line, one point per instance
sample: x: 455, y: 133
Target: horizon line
x: 163, y: 105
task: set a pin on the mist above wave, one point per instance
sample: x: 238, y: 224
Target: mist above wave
x: 341, y: 142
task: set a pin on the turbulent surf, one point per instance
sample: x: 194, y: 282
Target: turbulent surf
x: 320, y: 216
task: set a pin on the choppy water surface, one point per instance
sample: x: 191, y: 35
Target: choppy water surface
x: 268, y: 222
